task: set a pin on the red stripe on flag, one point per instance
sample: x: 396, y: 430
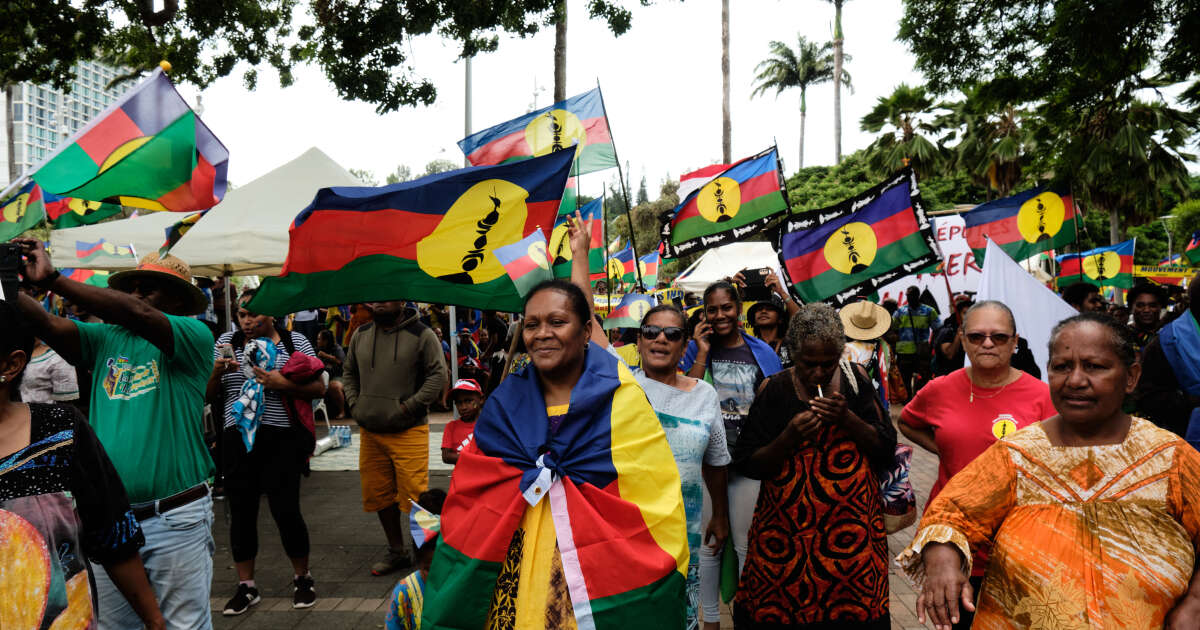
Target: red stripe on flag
x: 617, y: 552
x: 752, y: 188
x: 520, y: 266
x: 330, y: 239
x: 108, y: 134
x: 887, y: 231
x: 1071, y: 267
x: 195, y: 193
x: 493, y: 481
x: 1005, y: 231
x: 514, y: 144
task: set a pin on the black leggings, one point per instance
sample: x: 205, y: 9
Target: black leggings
x: 272, y: 467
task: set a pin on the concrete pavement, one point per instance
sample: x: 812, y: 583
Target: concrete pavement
x: 346, y: 542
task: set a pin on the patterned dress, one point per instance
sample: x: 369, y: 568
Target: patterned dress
x: 1081, y: 537
x: 818, y: 548
x: 61, y: 504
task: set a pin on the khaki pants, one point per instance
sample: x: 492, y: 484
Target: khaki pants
x: 393, y: 467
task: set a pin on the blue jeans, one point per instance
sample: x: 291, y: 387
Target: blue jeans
x: 178, y: 560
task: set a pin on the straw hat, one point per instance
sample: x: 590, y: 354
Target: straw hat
x: 174, y: 271
x: 864, y: 320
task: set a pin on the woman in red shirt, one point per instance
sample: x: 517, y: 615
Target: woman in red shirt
x: 961, y: 414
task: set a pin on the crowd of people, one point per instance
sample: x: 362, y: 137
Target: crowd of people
x: 1072, y: 502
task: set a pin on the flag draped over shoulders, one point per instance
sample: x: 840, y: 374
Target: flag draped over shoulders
x: 606, y: 484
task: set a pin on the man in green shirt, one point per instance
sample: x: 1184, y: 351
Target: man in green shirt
x: 150, y: 363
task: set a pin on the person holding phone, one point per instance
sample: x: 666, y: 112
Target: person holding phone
x: 768, y: 317
x: 736, y: 364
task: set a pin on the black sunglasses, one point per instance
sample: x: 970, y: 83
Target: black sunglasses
x: 673, y: 333
x: 976, y: 338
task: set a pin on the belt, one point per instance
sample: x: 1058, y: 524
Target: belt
x: 154, y: 508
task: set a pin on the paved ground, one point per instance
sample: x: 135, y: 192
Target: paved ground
x: 346, y: 541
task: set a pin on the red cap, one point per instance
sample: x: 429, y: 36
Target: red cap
x: 467, y: 385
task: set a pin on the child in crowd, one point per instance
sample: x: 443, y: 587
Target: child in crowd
x: 408, y: 597
x: 468, y: 397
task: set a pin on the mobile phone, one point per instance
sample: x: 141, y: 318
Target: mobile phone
x: 226, y: 351
x: 756, y: 284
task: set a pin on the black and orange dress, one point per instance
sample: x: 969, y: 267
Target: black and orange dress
x: 818, y: 554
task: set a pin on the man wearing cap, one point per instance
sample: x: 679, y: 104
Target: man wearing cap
x: 150, y: 362
x: 393, y: 372
x: 468, y: 400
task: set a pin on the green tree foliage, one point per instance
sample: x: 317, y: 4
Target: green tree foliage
x: 994, y: 139
x: 439, y: 166
x: 822, y: 186
x: 402, y: 174
x: 906, y: 118
x: 643, y: 195
x: 366, y: 177
x: 808, y: 64
x: 362, y: 46
x: 1094, y: 71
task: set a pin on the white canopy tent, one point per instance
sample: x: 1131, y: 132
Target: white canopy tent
x: 245, y: 234
x: 722, y: 262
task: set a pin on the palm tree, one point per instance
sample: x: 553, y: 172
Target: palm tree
x: 838, y: 59
x: 995, y: 138
x: 905, y: 111
x: 560, y: 51
x: 809, y: 64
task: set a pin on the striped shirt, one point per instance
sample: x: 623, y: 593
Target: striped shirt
x: 274, y: 413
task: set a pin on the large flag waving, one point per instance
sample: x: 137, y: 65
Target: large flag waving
x: 1024, y: 224
x: 858, y: 245
x: 1109, y: 266
x: 22, y: 211
x: 587, y: 518
x: 430, y: 239
x: 148, y: 150
x: 738, y: 202
x: 579, y: 121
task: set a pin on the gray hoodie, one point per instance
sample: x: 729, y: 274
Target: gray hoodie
x: 391, y: 377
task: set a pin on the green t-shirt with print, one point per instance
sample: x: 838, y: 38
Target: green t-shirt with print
x: 147, y: 407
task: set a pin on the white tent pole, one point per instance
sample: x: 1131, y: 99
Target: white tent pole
x: 229, y: 300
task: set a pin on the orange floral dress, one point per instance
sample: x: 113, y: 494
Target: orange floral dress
x: 1080, y: 537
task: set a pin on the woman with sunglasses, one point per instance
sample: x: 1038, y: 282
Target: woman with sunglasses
x: 691, y: 417
x: 959, y: 415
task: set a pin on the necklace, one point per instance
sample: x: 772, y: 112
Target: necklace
x: 971, y: 389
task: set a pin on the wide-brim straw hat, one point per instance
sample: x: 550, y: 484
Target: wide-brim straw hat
x: 176, y: 273
x: 865, y: 320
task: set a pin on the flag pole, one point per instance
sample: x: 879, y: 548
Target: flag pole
x: 1078, y: 220
x: 604, y: 242
x: 637, y: 270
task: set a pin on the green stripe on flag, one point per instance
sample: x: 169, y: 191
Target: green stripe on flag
x: 830, y: 283
x: 1121, y: 281
x: 749, y: 212
x: 379, y: 277
x: 152, y: 170
x: 458, y: 592
x: 660, y: 604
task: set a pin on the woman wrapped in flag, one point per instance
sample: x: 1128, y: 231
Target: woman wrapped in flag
x: 691, y: 416
x: 566, y: 510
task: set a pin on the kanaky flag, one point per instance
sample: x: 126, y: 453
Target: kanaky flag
x: 94, y: 277
x: 21, y: 212
x: 69, y: 212
x: 737, y: 203
x: 429, y: 240
x: 1024, y: 224
x: 649, y: 268
x: 1110, y: 266
x: 422, y: 523
x: 176, y: 231
x: 102, y: 250
x: 1192, y: 250
x: 592, y: 214
x: 579, y: 121
x: 623, y: 267
x: 693, y: 181
x: 860, y: 244
x: 629, y: 312
x: 595, y: 494
x: 526, y: 262
x: 148, y: 150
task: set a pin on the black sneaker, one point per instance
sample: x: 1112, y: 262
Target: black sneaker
x: 303, y: 595
x: 241, y: 601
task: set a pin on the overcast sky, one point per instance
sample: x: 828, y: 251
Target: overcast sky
x: 661, y: 83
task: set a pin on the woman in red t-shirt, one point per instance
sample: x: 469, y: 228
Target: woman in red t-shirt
x: 959, y: 415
